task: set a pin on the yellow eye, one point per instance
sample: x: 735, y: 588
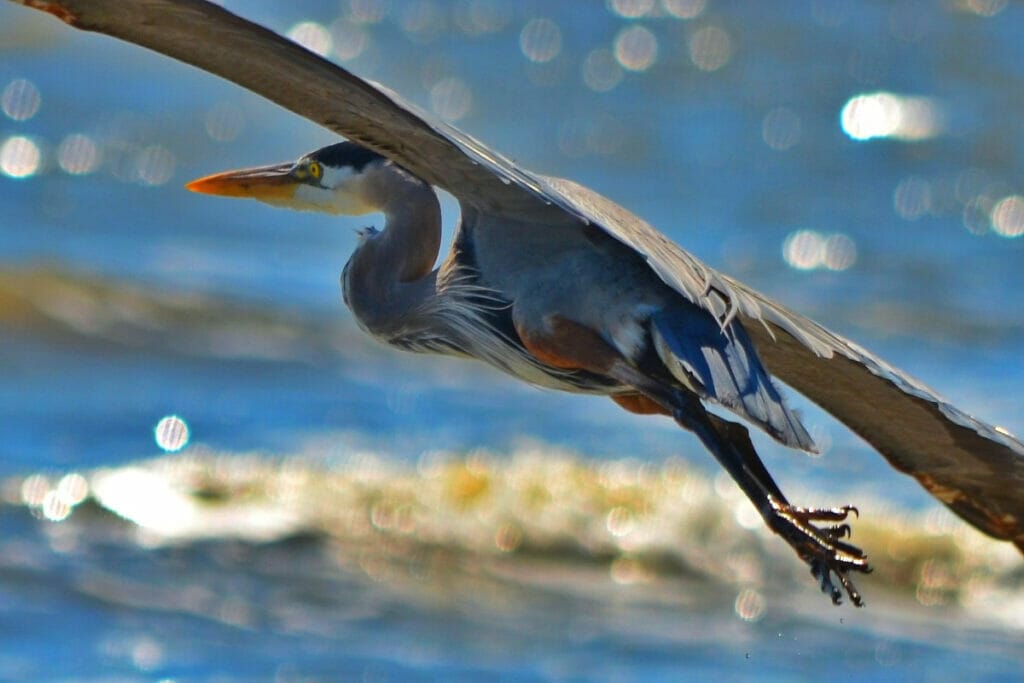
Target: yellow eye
x: 316, y: 171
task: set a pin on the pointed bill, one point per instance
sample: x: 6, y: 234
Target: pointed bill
x: 274, y: 183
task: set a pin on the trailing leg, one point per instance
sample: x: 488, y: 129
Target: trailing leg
x: 821, y: 547
x: 563, y: 343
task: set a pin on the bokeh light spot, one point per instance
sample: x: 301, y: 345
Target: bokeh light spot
x: 154, y: 165
x: 350, y: 40
x: 508, y: 538
x: 810, y: 250
x: 54, y: 508
x: 312, y: 36
x: 601, y: 71
x: 1008, y: 216
x: 746, y: 515
x: 840, y: 252
x: 976, y: 215
x: 34, y: 490
x: 19, y: 157
x: 171, y: 433
x: 781, y: 128
x: 54, y: 503
x: 710, y: 48
x: 620, y: 521
x: 631, y: 9
x: 451, y: 99
x: 20, y: 99
x: 887, y: 115
x: 912, y: 198
x: 684, y: 9
x: 636, y: 48
x: 224, y: 121
x: 78, y: 154
x: 72, y: 488
x: 749, y: 605
x: 540, y: 40
x: 803, y: 250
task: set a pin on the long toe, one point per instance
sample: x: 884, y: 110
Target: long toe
x: 822, y: 548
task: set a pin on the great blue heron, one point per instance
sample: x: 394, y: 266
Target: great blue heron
x: 559, y: 286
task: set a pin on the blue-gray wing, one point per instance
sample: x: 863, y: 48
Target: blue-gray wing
x: 721, y: 363
x: 974, y: 468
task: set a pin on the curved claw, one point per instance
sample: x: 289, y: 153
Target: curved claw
x: 822, y: 549
x: 851, y: 590
x: 839, y: 531
x: 824, y: 576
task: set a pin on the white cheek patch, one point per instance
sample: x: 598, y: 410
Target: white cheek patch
x: 312, y: 198
x: 336, y: 177
x: 340, y: 194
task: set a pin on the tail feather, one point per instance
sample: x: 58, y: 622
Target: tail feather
x: 721, y: 364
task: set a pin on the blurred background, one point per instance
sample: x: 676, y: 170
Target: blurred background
x: 208, y: 473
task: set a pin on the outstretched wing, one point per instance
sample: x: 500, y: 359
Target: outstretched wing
x: 214, y: 40
x: 975, y: 469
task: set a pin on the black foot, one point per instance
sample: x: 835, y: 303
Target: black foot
x: 822, y: 548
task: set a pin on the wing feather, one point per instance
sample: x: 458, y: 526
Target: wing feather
x: 721, y: 364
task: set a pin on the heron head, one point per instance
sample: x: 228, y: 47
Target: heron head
x: 329, y: 180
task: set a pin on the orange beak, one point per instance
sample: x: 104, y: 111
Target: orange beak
x: 272, y: 184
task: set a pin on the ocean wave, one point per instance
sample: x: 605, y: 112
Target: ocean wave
x: 536, y: 517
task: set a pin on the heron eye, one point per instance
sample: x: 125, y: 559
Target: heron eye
x: 316, y: 171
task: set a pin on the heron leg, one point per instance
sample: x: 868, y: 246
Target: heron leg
x: 821, y: 548
x: 567, y: 344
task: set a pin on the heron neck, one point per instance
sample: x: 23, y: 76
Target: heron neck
x: 390, y: 277
x: 412, y: 221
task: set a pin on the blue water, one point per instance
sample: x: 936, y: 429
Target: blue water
x: 933, y: 292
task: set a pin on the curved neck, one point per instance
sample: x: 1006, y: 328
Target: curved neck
x: 412, y: 220
x: 390, y: 274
